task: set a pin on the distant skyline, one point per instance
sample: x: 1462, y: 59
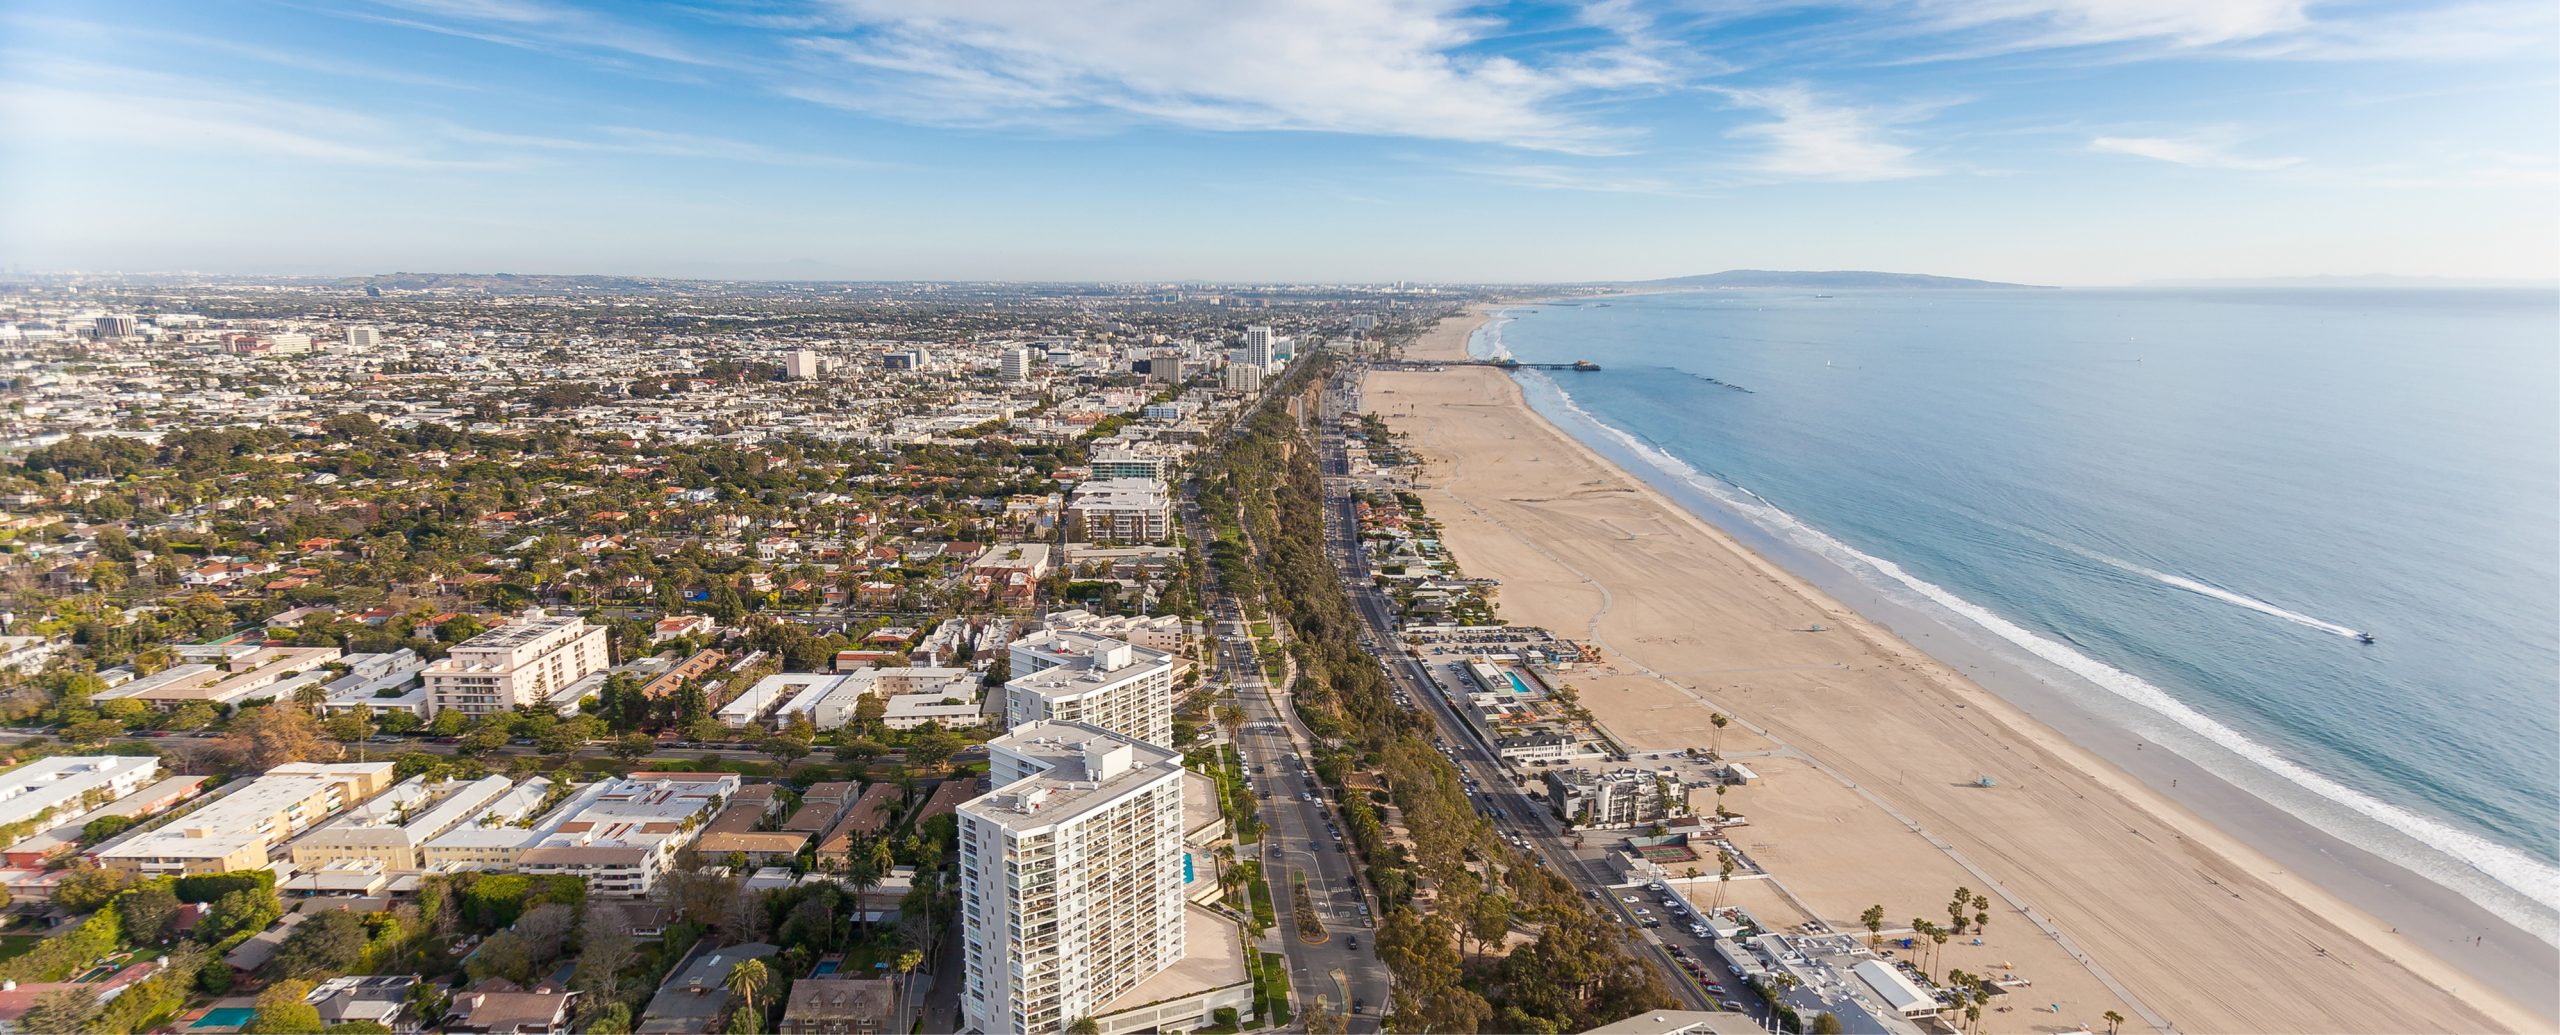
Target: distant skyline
x: 2042, y: 141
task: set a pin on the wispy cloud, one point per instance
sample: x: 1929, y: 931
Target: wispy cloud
x: 2063, y: 23
x: 203, y: 118
x: 1406, y: 68
x: 1556, y: 177
x: 541, y: 25
x: 2207, y: 150
x: 1814, y: 140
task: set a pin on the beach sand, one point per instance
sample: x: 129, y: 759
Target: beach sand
x: 2105, y: 894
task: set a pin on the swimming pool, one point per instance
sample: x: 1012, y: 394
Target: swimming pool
x: 1517, y: 686
x: 226, y: 1017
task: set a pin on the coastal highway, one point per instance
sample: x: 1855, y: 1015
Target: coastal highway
x: 1491, y: 783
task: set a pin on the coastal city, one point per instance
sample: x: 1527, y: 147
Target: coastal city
x: 1111, y: 517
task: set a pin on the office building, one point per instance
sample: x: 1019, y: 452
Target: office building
x: 801, y: 365
x: 1071, y: 888
x: 237, y: 831
x: 1120, y: 510
x: 1014, y: 364
x: 1081, y: 677
x: 363, y: 337
x: 518, y: 664
x: 115, y: 326
x: 288, y: 343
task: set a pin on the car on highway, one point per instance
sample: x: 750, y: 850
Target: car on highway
x: 1731, y: 1005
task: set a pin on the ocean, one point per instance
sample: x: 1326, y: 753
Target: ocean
x: 2183, y: 507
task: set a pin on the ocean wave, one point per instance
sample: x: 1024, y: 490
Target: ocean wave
x: 2457, y: 859
x: 2201, y: 587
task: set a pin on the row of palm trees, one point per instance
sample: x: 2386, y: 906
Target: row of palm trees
x: 748, y: 980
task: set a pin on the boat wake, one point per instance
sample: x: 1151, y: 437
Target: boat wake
x: 2208, y: 589
x: 2498, y: 877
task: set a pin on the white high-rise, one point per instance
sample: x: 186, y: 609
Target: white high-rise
x: 1014, y: 364
x: 1260, y: 348
x: 1082, y: 677
x: 363, y: 337
x: 801, y: 365
x: 1071, y: 883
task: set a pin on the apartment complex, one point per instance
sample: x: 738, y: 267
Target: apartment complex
x: 521, y: 663
x: 1120, y: 510
x: 1071, y: 882
x: 52, y: 791
x: 237, y: 677
x: 1082, y: 677
x: 912, y: 694
x: 238, y: 831
x: 391, y: 831
x: 622, y: 833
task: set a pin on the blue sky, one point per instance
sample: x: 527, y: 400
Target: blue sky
x: 2053, y: 141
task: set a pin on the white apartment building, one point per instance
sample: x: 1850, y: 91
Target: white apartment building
x: 1071, y: 888
x: 1240, y: 377
x: 523, y: 662
x: 802, y: 365
x: 392, y: 830
x: 621, y: 837
x: 1166, y: 633
x: 1133, y: 461
x: 363, y: 337
x: 1121, y: 510
x: 1081, y: 677
x: 52, y: 791
x: 1014, y: 364
x: 830, y: 700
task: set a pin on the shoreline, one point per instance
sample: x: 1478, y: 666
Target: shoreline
x: 1621, y: 499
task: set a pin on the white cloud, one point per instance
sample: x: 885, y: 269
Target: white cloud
x: 2192, y: 23
x: 1812, y: 140
x: 2202, y: 151
x: 1380, y: 67
x: 208, y: 120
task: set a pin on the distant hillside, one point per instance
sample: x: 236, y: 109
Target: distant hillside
x: 1822, y: 279
x: 2368, y: 280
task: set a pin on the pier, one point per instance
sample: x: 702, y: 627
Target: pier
x: 1579, y: 365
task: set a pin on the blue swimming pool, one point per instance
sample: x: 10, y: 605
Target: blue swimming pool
x: 825, y: 967
x: 226, y: 1017
x: 1517, y: 686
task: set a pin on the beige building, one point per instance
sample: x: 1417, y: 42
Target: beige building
x: 1081, y: 677
x: 238, y: 830
x: 1071, y: 889
x: 1120, y: 510
x: 393, y: 829
x: 521, y: 663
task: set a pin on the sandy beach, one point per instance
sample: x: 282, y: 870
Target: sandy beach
x: 2107, y: 895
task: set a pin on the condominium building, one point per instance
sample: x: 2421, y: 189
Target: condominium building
x: 1081, y: 677
x: 1110, y: 462
x: 1071, y: 883
x: 237, y: 831
x: 1014, y: 364
x: 1261, y: 347
x: 52, y: 791
x: 912, y: 694
x: 521, y: 663
x: 1125, y: 510
x: 1241, y: 377
x: 801, y: 365
x: 1621, y: 798
x: 621, y: 837
x: 392, y: 830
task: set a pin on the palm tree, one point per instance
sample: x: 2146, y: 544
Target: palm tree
x: 1874, y: 919
x: 746, y: 980
x: 1715, y: 740
x: 1724, y: 878
x: 2113, y: 1020
x: 905, y: 965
